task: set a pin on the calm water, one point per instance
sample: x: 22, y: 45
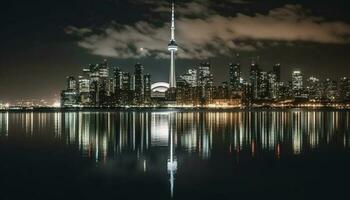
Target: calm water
x: 291, y: 154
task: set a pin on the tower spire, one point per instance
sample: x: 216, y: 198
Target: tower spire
x: 172, y: 20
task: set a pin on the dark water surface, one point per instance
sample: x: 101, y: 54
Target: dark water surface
x: 295, y: 154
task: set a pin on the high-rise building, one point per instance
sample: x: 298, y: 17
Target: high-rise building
x: 263, y: 86
x: 297, y: 80
x: 123, y: 87
x: 330, y: 90
x: 138, y: 81
x: 70, y: 96
x: 117, y: 81
x: 247, y: 93
x: 254, y: 78
x: 273, y: 85
x: 71, y: 83
x: 184, y: 93
x: 98, y: 75
x: 205, y: 82
x: 344, y: 89
x: 147, y: 89
x: 297, y: 83
x: 314, y: 89
x: 235, y: 76
x: 205, y: 76
x: 104, y: 84
x: 172, y: 47
x: 103, y: 69
x: 126, y: 91
x: 277, y: 71
x: 84, y: 91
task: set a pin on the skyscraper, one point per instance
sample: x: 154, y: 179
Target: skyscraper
x: 100, y: 90
x: 344, y: 89
x: 235, y: 76
x: 184, y: 92
x: 172, y: 47
x: 264, y: 85
x: 69, y: 97
x: 84, y: 91
x: 71, y: 83
x: 205, y: 82
x: 273, y: 85
x: 314, y: 89
x: 139, y: 87
x: 254, y: 80
x: 126, y: 95
x: 147, y: 89
x: 274, y: 81
x: 297, y: 83
x: 330, y: 90
x: 277, y: 71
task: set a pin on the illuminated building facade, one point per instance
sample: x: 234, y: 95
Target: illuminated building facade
x: 297, y: 83
x: 139, y: 84
x: 235, y: 76
x: 344, y: 89
x: 254, y: 78
x: 147, y: 89
x: 330, y: 90
x: 314, y: 89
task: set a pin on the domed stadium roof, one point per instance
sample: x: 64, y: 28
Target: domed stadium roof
x: 160, y: 87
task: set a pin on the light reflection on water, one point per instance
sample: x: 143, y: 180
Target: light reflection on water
x: 101, y: 135
x: 104, y: 136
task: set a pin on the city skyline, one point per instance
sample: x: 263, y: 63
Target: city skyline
x: 38, y: 56
x: 103, y: 85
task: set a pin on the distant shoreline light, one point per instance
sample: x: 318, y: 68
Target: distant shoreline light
x: 56, y: 104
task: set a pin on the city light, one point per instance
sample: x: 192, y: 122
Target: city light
x: 56, y: 104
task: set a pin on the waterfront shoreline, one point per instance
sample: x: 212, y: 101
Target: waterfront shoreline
x: 149, y: 109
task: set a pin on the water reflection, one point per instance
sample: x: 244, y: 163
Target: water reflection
x: 4, y: 118
x: 105, y: 135
x: 171, y: 136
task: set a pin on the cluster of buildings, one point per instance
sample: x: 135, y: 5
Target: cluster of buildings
x: 104, y: 86
x: 27, y: 104
x: 4, y: 106
x: 267, y: 87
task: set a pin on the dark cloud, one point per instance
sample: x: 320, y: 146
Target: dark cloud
x: 213, y: 35
x: 77, y: 31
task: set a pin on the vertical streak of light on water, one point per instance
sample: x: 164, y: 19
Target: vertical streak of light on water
x: 97, y: 128
x: 121, y: 119
x: 273, y: 137
x: 239, y: 125
x: 4, y: 124
x: 31, y: 123
x: 133, y: 131
x: 142, y: 130
x: 147, y: 130
x: 210, y: 134
x: 57, y: 121
x: 80, y: 127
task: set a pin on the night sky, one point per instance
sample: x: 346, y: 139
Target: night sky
x: 42, y: 42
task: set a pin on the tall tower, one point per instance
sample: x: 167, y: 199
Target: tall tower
x: 235, y: 75
x: 172, y: 47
